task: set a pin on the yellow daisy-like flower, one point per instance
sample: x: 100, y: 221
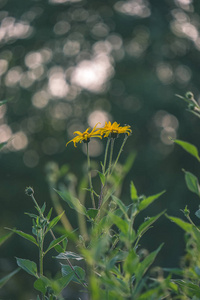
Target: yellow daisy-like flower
x: 114, y: 129
x: 85, y: 136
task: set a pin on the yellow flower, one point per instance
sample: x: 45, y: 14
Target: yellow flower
x: 114, y: 129
x: 85, y: 136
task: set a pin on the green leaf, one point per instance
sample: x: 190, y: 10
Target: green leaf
x: 25, y: 236
x: 7, y: 277
x: 121, y: 205
x: 54, y: 222
x: 102, y: 178
x: 49, y: 214
x: 54, y: 243
x: 5, y: 237
x: 43, y: 208
x: 66, y: 270
x: 92, y: 213
x: 131, y: 263
x: 31, y: 215
x: 40, y: 286
x: 147, y: 201
x: 187, y: 227
x: 69, y: 255
x: 133, y: 191
x: 188, y: 147
x: 144, y: 226
x: 72, y: 201
x: 192, y: 182
x: 61, y: 283
x: 145, y: 264
x: 120, y: 223
x: 28, y: 266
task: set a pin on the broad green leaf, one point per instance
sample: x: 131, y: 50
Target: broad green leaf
x: 192, y: 182
x: 147, y: 201
x: 92, y: 213
x: 146, y: 263
x: 54, y: 221
x: 5, y: 237
x: 120, y: 223
x: 187, y: 227
x: 69, y: 255
x: 25, y: 236
x: 7, y: 277
x: 190, y: 289
x: 28, y: 266
x: 72, y: 201
x: 55, y: 243
x: 40, y: 285
x: 144, y: 226
x: 66, y: 269
x: 121, y: 205
x: 189, y: 148
x: 133, y: 191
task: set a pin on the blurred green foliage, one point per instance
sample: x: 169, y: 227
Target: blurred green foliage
x: 69, y: 64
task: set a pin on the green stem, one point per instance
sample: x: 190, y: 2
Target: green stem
x: 111, y: 155
x: 106, y: 155
x: 41, y: 258
x: 120, y: 151
x: 90, y: 178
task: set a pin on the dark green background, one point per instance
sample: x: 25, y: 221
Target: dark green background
x: 155, y: 56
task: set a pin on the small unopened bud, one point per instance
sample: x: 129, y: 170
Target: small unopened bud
x: 189, y: 95
x: 29, y: 191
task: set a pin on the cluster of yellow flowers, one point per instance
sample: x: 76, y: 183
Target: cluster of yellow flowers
x: 109, y: 129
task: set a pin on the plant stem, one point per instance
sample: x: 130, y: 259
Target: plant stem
x: 111, y: 155
x: 90, y: 178
x: 120, y: 151
x: 106, y: 155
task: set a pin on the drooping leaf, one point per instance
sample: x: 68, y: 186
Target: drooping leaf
x: 192, y: 182
x: 147, y: 201
x: 69, y: 255
x: 7, y: 277
x: 54, y: 222
x: 5, y: 237
x: 189, y: 148
x: 72, y: 201
x: 187, y: 227
x: 28, y: 266
x: 25, y: 236
x: 55, y: 243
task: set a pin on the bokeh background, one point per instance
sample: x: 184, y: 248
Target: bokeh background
x: 66, y: 65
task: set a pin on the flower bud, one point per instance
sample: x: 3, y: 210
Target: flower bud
x: 29, y: 191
